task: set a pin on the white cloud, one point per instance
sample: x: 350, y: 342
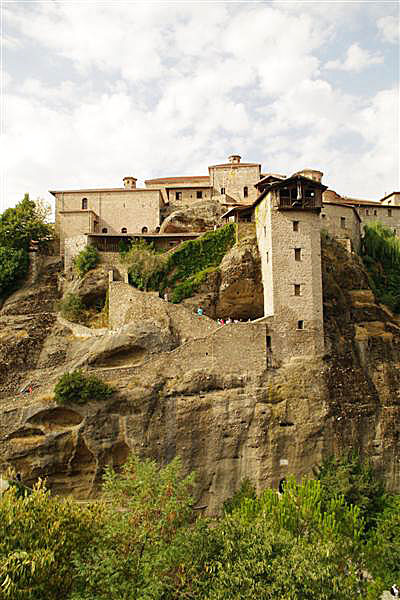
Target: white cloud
x: 157, y: 89
x: 356, y: 60
x: 389, y: 28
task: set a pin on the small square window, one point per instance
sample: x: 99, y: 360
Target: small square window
x: 296, y: 225
x: 297, y: 254
x: 323, y: 215
x: 343, y: 222
x: 300, y: 324
x: 375, y: 212
x: 199, y: 194
x: 297, y: 289
x: 389, y: 212
x: 178, y: 195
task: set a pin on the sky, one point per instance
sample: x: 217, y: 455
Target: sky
x: 92, y: 91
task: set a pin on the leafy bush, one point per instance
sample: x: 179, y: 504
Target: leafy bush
x: 87, y: 259
x: 72, y: 308
x: 381, y: 256
x: 187, y: 288
x: 38, y: 535
x: 246, y: 490
x: 78, y: 388
x: 143, y: 262
x: 13, y: 268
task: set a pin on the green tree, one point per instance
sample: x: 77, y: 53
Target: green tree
x: 143, y: 548
x: 13, y: 268
x: 288, y: 547
x: 23, y: 223
x: 357, y: 481
x: 383, y: 548
x: 38, y: 534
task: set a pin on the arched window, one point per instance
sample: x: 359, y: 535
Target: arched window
x: 124, y: 230
x: 157, y: 230
x: 84, y: 203
x: 144, y: 230
x: 104, y: 230
x: 222, y: 190
x: 245, y: 191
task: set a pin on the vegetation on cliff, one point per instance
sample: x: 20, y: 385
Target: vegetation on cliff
x: 87, y: 259
x: 144, y: 540
x: 18, y: 227
x: 182, y: 270
x: 78, y: 388
x: 381, y: 256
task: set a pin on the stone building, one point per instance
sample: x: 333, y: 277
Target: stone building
x: 288, y: 212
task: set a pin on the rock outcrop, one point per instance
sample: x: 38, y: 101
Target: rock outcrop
x: 235, y: 289
x: 199, y: 216
x: 213, y: 401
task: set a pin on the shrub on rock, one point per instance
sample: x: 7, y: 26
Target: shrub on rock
x: 78, y: 388
x: 86, y: 260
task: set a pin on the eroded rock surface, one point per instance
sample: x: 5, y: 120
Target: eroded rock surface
x: 212, y: 401
x: 199, y: 216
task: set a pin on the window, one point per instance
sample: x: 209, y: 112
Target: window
x: 309, y: 193
x: 297, y: 254
x: 104, y: 230
x: 267, y: 256
x: 96, y: 226
x: 84, y: 203
x: 343, y: 222
x: 222, y: 190
x: 124, y: 230
x: 199, y: 194
x: 157, y: 230
x: 144, y: 229
x: 268, y: 342
x: 297, y: 289
x: 178, y: 195
x: 367, y: 211
x: 296, y: 225
x: 323, y: 215
x: 300, y: 324
x: 245, y: 191
x: 375, y: 212
x: 389, y: 212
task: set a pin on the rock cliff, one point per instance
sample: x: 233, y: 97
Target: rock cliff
x: 209, y: 398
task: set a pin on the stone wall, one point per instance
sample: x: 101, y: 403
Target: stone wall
x: 234, y: 178
x: 132, y: 209
x: 331, y: 221
x: 129, y: 305
x: 387, y: 215
x: 113, y: 260
x: 72, y: 246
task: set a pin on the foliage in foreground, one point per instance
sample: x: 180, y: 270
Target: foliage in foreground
x: 38, y: 534
x: 381, y: 256
x: 181, y: 270
x: 78, y: 388
x: 13, y: 268
x: 86, y: 260
x: 143, y: 540
x: 72, y: 308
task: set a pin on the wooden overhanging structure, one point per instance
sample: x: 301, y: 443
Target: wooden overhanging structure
x: 294, y: 193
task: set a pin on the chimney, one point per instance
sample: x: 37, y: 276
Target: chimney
x: 234, y: 159
x: 129, y: 183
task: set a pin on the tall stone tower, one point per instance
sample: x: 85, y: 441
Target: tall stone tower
x: 288, y: 233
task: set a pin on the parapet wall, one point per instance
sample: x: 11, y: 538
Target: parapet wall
x: 72, y: 246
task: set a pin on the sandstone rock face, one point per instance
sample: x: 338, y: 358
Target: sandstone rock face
x: 92, y: 287
x: 200, y: 216
x: 235, y: 290
x: 213, y: 401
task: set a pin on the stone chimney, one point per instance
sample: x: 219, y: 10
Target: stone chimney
x: 234, y: 159
x: 311, y: 174
x: 129, y: 183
